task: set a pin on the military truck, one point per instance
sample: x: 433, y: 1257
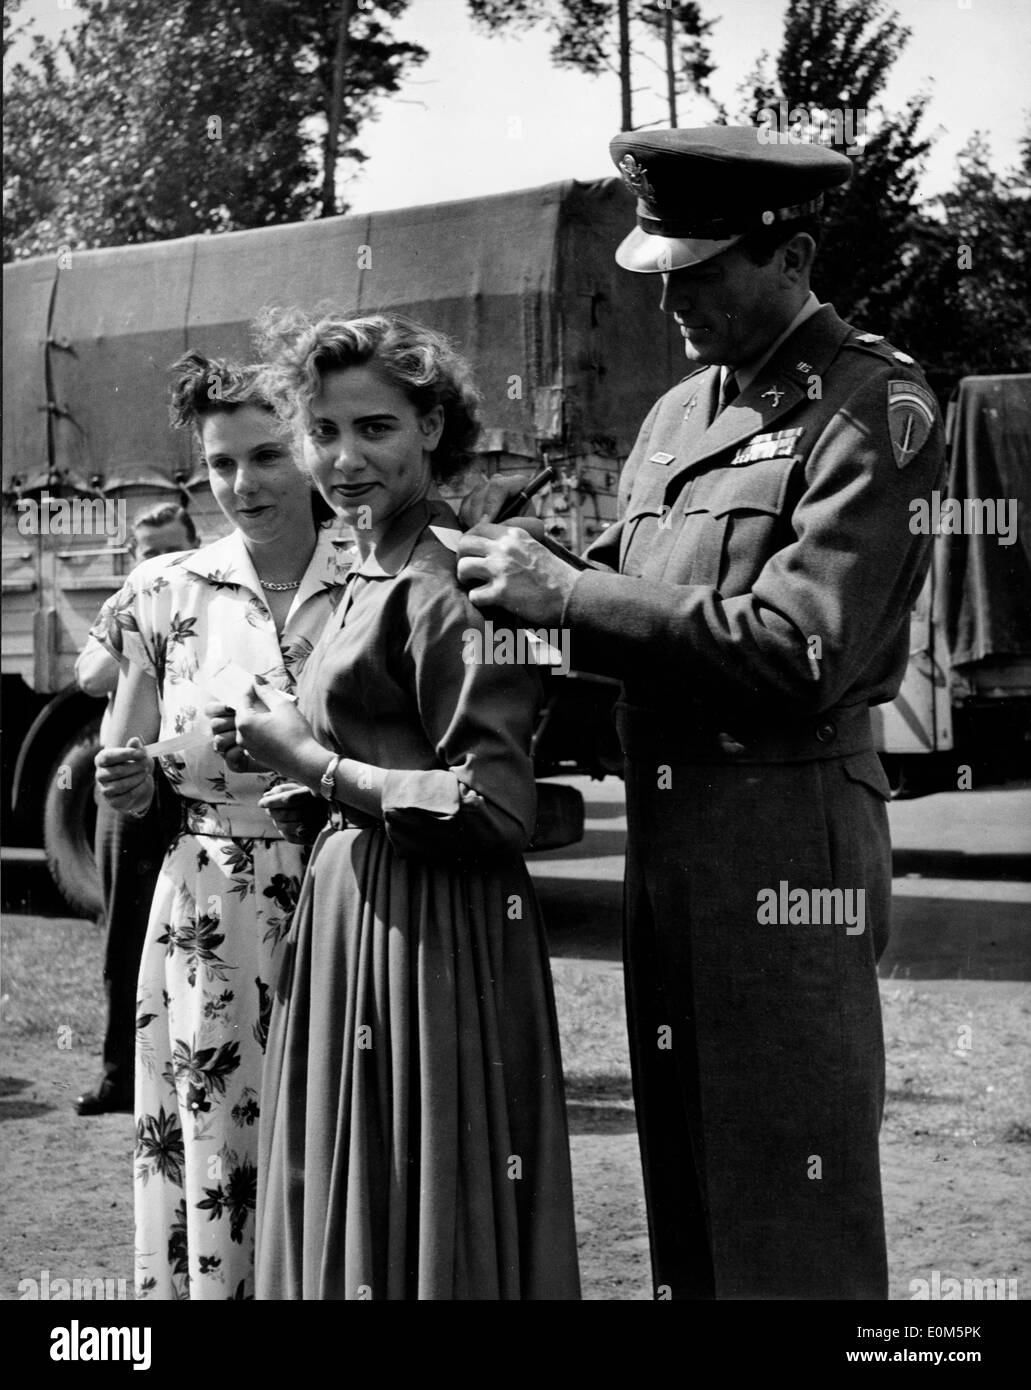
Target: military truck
x: 963, y: 715
x: 569, y: 353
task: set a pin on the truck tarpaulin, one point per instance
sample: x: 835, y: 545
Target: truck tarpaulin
x: 984, y: 586
x: 569, y: 351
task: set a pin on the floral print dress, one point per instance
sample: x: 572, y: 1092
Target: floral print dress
x: 221, y: 911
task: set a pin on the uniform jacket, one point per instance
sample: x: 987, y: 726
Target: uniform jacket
x: 775, y: 562
x: 754, y: 598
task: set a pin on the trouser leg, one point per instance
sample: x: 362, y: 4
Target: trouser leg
x: 129, y: 854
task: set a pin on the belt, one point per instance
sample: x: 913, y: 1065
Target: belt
x: 228, y: 821
x: 648, y: 734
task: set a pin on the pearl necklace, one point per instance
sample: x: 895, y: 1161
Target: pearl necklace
x: 274, y: 588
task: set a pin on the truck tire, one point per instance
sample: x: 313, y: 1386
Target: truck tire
x: 69, y: 818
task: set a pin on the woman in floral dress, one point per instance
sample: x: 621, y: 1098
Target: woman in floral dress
x: 260, y: 597
x: 414, y: 1141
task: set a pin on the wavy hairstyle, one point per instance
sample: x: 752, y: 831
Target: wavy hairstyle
x: 208, y: 386
x: 214, y: 385
x: 420, y: 362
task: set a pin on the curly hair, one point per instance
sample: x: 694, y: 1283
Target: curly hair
x: 420, y: 362
x: 208, y: 386
x: 214, y: 385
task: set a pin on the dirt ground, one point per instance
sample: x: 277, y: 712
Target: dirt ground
x: 956, y: 1142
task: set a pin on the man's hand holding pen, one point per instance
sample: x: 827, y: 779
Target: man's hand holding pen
x: 510, y: 565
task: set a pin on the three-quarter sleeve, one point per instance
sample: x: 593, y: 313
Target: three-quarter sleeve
x: 478, y: 714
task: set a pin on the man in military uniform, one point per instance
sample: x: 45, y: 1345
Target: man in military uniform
x: 754, y: 600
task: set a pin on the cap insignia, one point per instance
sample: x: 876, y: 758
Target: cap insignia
x: 636, y: 177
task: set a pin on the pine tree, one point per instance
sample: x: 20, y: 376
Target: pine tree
x: 596, y: 36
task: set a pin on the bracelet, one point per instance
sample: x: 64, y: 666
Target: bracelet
x: 327, y: 782
x: 139, y: 815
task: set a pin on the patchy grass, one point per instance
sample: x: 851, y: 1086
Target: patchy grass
x: 956, y: 1144
x: 52, y: 978
x: 957, y: 1070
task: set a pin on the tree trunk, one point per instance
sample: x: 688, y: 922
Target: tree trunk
x: 624, y: 65
x: 335, y: 109
x: 671, y: 76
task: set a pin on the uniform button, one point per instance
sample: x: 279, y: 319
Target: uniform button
x: 825, y: 732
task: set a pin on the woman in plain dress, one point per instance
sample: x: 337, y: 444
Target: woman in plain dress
x: 228, y: 883
x: 414, y: 1141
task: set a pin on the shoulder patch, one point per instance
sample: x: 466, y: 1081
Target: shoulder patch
x: 911, y: 416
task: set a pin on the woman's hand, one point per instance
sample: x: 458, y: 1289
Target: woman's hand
x: 275, y: 732
x: 223, y: 727
x: 125, y: 777
x: 299, y: 814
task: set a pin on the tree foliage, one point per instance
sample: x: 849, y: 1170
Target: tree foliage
x: 887, y: 262
x: 974, y: 269
x: 586, y: 32
x: 149, y: 121
x: 835, y: 57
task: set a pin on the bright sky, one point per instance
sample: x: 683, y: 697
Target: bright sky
x: 483, y: 115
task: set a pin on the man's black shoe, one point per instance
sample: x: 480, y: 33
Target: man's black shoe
x: 103, y: 1101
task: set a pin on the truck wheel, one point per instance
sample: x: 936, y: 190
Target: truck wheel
x: 69, y: 818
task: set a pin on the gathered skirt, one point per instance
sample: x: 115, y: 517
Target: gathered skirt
x: 413, y: 1141
x: 218, y: 925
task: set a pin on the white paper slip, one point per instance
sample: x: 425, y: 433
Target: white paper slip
x: 230, y: 684
x: 195, y: 738
x: 270, y: 694
x: 447, y: 536
x: 546, y: 654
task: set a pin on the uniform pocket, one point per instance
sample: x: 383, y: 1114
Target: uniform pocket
x: 868, y: 769
x: 645, y: 531
x: 753, y: 487
x: 730, y: 518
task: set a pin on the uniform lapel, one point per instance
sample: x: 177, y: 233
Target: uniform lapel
x: 782, y: 383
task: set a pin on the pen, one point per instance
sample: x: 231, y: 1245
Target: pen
x: 515, y: 505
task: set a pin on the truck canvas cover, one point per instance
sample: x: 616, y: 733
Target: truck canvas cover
x: 984, y: 586
x: 569, y: 351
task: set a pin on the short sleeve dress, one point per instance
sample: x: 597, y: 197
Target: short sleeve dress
x: 414, y: 1141
x: 220, y: 913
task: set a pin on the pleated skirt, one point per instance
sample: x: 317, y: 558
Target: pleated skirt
x: 413, y: 1131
